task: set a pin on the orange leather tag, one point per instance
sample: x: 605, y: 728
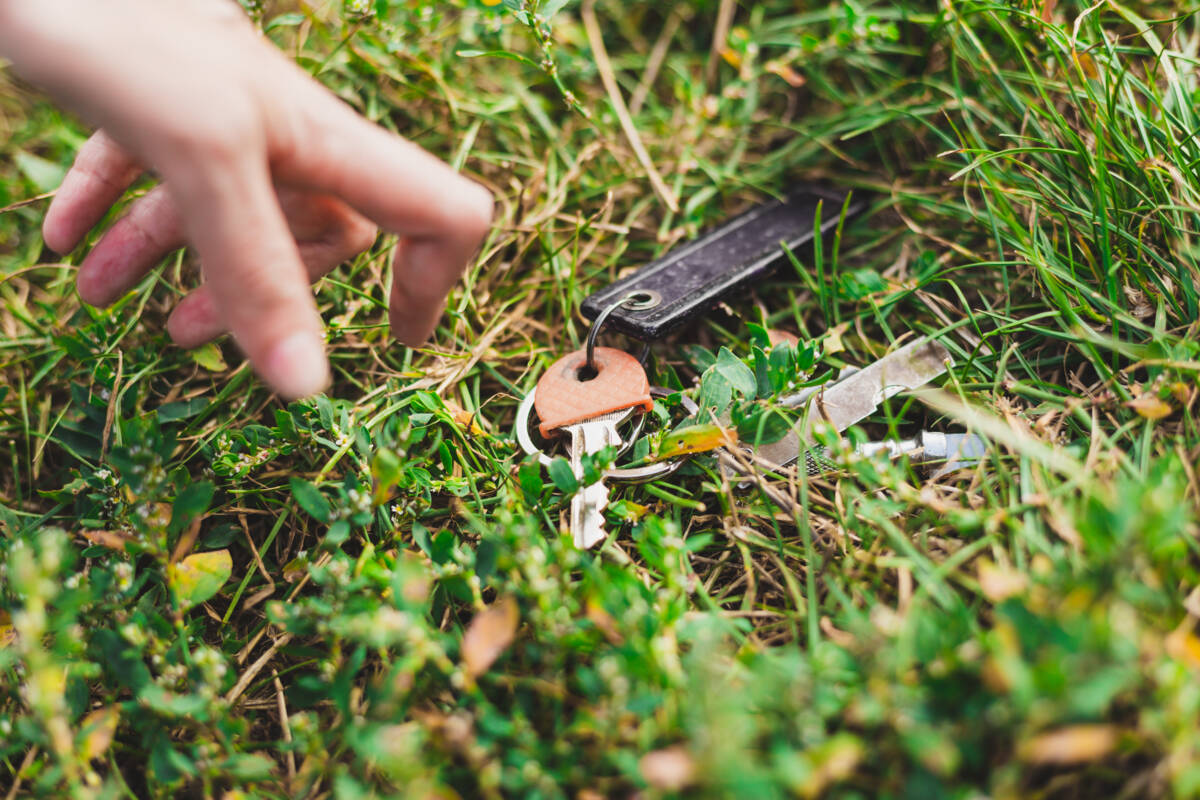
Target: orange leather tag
x: 563, y: 399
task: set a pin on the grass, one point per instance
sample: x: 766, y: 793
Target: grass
x: 207, y: 592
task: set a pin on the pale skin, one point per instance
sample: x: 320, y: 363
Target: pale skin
x: 270, y: 178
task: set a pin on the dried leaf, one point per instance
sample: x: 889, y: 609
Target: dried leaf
x: 1139, y: 306
x: 778, y: 337
x: 1000, y: 583
x: 98, y: 729
x: 669, y: 770
x: 490, y: 633
x: 295, y: 569
x: 1063, y: 524
x: 113, y: 540
x: 199, y: 576
x: 785, y: 71
x: 1150, y: 407
x: 457, y: 730
x: 467, y: 419
x: 1074, y: 744
x: 1182, y: 645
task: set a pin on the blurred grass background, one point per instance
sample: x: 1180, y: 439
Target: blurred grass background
x: 207, y: 592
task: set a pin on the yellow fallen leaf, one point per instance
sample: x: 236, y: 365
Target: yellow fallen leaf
x: 696, y: 439
x: 629, y: 510
x: 1087, y: 65
x: 8, y: 634
x: 1000, y: 583
x: 98, y: 729
x: 1150, y: 407
x: 1074, y: 744
x: 467, y: 419
x: 199, y: 576
x: 489, y: 635
x: 1182, y: 645
x: 830, y: 763
x: 209, y: 356
x: 1181, y: 392
x: 832, y: 343
x: 668, y: 770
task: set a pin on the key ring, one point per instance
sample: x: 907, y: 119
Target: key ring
x: 636, y: 300
x: 641, y: 474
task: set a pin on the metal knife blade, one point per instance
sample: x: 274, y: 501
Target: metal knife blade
x: 856, y: 396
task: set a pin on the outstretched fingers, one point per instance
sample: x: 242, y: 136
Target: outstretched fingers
x: 100, y: 175
x: 327, y: 232
x: 441, y: 216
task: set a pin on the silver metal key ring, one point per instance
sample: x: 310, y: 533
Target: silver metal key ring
x: 640, y: 474
x: 637, y: 299
x: 523, y: 438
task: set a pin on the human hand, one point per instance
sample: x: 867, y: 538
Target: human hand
x: 270, y: 177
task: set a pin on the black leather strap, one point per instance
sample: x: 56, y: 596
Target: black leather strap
x: 693, y: 278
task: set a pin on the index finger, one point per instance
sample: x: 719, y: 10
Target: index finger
x: 441, y: 216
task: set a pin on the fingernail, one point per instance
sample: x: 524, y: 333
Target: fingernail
x: 296, y: 366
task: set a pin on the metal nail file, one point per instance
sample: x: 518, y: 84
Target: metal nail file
x: 857, y: 395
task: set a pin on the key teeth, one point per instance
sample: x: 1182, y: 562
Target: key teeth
x: 584, y: 542
x: 588, y: 536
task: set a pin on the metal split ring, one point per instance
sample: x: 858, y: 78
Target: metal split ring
x: 641, y: 474
x: 636, y: 300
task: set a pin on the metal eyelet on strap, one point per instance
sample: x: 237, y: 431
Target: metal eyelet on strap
x: 635, y: 300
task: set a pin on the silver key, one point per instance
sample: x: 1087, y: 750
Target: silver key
x: 588, y: 407
x: 588, y: 504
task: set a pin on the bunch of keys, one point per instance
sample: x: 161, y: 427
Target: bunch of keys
x: 587, y: 395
